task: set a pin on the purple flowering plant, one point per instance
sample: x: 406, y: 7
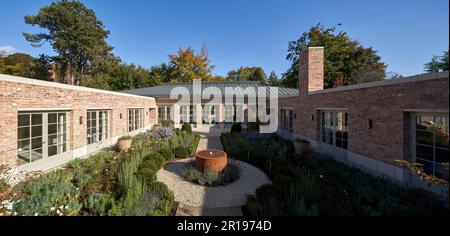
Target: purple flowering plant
x: 164, y: 132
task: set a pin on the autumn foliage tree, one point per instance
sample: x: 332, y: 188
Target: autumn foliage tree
x: 188, y: 65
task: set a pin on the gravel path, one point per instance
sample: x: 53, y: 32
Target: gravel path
x: 222, y: 200
x: 231, y: 195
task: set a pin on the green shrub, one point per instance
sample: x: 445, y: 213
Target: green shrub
x: 127, y: 174
x: 209, y: 178
x: 194, y: 144
x: 166, y: 196
x: 265, y: 192
x: 98, y: 204
x: 225, y: 143
x: 148, y: 175
x: 126, y: 137
x: 286, y: 171
x: 4, y: 186
x: 80, y: 179
x: 254, y: 206
x: 51, y: 194
x: 282, y: 184
x: 236, y: 128
x: 156, y: 159
x: 167, y: 124
x: 167, y: 154
x: 181, y: 152
x: 187, y: 128
x: 300, y: 140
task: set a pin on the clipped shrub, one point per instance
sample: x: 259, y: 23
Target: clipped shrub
x: 282, y: 184
x: 194, y: 144
x: 156, y: 159
x: 187, y: 127
x: 286, y: 171
x: 265, y: 192
x: 181, y: 152
x: 167, y: 124
x: 148, y: 175
x: 254, y: 206
x: 166, y: 153
x: 236, y: 128
x: 126, y: 137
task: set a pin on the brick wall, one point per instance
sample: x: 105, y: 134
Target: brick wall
x: 387, y: 103
x: 18, y: 94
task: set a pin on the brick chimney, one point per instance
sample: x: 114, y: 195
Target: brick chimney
x: 311, y: 70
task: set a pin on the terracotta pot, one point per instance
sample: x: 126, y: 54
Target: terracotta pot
x: 302, y: 147
x: 124, y: 145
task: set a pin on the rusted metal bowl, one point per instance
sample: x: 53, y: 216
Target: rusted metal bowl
x: 211, y: 160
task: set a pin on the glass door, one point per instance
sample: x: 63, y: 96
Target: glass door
x: 41, y: 135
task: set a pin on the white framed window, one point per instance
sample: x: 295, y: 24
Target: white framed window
x: 287, y: 117
x: 209, y: 114
x: 187, y: 114
x: 41, y: 134
x: 334, y: 128
x: 430, y: 143
x: 164, y: 113
x: 97, y: 126
x: 135, y: 119
x: 229, y: 113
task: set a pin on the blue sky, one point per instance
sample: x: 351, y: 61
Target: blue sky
x: 406, y: 33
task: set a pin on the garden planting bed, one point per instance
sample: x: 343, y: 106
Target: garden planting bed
x: 317, y: 185
x: 108, y: 183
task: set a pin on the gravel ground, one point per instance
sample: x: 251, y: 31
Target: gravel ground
x: 231, y: 195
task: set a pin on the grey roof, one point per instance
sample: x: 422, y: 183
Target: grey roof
x: 164, y: 90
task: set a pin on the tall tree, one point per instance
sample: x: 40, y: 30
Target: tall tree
x: 42, y: 67
x: 188, y: 65
x: 438, y: 63
x: 273, y: 79
x: 248, y: 74
x: 346, y: 61
x: 75, y: 33
x: 159, y: 74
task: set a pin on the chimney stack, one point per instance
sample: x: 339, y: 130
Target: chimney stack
x: 311, y: 70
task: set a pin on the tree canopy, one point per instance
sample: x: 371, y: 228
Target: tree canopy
x: 346, y: 61
x: 21, y: 64
x: 438, y: 63
x: 77, y: 36
x: 249, y: 74
x: 188, y: 65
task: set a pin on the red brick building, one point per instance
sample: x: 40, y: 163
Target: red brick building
x: 373, y: 124
x: 45, y: 124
